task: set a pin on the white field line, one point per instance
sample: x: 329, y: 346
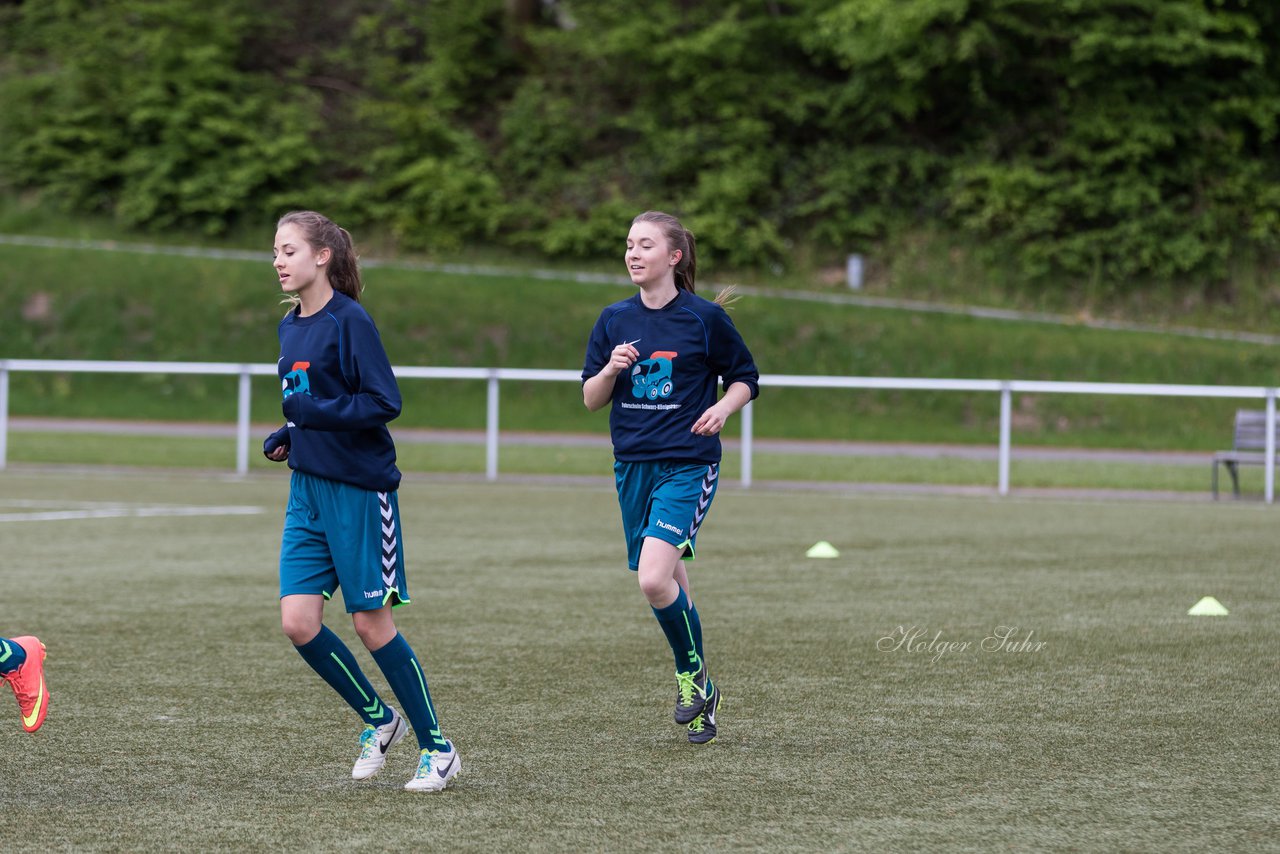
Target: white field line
x: 103, y: 510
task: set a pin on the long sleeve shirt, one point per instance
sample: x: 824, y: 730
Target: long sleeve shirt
x: 684, y: 346
x: 339, y: 393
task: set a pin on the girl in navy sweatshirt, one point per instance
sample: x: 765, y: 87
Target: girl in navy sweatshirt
x: 342, y: 523
x: 655, y: 358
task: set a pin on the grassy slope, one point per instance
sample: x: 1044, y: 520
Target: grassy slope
x: 97, y: 305
x: 181, y: 720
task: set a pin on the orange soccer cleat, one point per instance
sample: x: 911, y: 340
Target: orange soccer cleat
x: 28, y: 685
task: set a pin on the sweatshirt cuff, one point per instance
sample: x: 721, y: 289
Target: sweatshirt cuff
x: 275, y: 440
x: 293, y: 409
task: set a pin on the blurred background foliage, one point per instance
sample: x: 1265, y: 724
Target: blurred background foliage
x: 1098, y: 144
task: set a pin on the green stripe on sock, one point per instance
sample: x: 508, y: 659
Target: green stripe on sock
x: 374, y: 709
x: 693, y: 647
x: 334, y: 656
x: 426, y: 697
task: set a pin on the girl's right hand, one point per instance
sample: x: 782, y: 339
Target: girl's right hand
x: 279, y: 454
x: 622, y: 358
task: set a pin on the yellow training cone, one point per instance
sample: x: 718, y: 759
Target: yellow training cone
x: 1207, y: 607
x: 822, y: 549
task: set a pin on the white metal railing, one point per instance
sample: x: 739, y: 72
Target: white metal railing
x: 493, y: 376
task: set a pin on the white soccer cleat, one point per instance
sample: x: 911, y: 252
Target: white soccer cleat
x: 374, y: 744
x: 435, y: 770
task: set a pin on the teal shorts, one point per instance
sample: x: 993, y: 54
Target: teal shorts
x: 665, y: 500
x: 339, y: 536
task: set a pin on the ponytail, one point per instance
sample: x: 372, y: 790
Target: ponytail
x: 687, y: 266
x: 344, y: 271
x: 727, y: 296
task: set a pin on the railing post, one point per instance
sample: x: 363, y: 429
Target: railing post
x: 4, y: 412
x: 242, y: 423
x: 1006, y: 420
x: 747, y: 430
x: 1270, y: 458
x: 491, y: 429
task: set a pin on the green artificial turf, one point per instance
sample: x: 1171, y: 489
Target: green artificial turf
x: 181, y: 719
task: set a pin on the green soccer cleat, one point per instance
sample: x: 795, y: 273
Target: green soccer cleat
x: 703, y: 728
x: 691, y: 694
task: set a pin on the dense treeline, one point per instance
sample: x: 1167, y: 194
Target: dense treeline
x: 1103, y: 140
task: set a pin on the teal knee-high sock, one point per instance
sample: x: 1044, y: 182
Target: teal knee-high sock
x: 404, y: 674
x: 11, y: 656
x: 329, y: 656
x: 683, y: 629
x: 695, y: 629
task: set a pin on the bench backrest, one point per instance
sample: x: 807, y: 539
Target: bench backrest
x: 1251, y: 430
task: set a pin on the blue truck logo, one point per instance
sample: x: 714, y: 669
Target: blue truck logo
x: 296, y: 382
x: 651, y: 378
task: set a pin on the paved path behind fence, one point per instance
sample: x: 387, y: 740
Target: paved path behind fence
x: 832, y: 448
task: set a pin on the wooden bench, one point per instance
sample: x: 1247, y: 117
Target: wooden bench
x: 1249, y: 447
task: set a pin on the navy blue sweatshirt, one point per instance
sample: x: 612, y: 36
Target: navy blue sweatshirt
x: 683, y: 347
x: 339, y: 393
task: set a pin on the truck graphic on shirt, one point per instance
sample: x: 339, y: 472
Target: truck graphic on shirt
x: 296, y: 382
x: 651, y: 378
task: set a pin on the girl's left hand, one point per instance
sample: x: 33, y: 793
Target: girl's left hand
x: 711, y: 422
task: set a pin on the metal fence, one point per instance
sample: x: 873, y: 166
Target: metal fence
x: 493, y: 377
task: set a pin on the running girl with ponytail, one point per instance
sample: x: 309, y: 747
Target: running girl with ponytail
x: 342, y: 523
x: 655, y: 357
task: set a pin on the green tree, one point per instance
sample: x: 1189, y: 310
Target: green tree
x: 140, y: 108
x: 1110, y: 139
